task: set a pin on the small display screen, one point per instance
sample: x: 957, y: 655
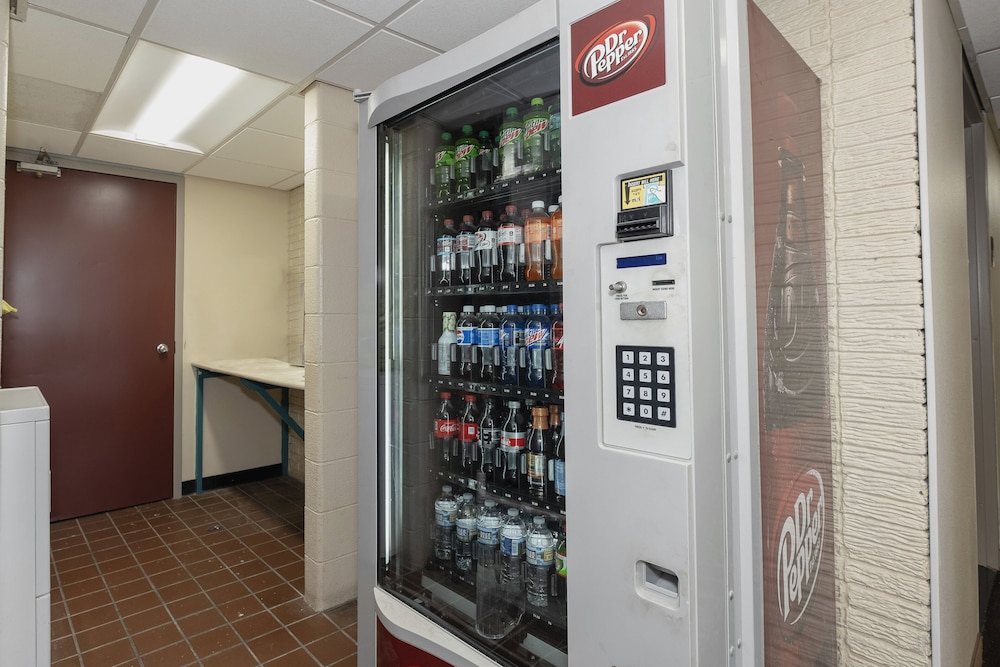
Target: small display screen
x: 642, y: 260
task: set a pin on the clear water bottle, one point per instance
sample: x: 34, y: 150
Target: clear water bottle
x: 445, y: 511
x: 512, y: 541
x: 465, y: 533
x: 490, y: 616
x: 539, y: 548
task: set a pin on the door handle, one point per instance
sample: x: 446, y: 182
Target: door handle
x: 162, y: 348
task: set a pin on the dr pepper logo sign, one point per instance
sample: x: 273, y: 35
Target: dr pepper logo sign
x: 799, y: 537
x: 617, y: 52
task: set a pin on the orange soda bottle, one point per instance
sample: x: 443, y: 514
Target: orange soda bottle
x: 536, y: 236
x: 555, y: 234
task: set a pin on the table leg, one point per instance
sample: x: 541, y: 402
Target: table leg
x: 198, y: 428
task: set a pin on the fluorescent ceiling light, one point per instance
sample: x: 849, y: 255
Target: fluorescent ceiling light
x: 172, y: 99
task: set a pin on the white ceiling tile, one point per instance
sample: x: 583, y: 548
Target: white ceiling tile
x: 47, y: 103
x: 287, y: 117
x: 981, y: 17
x: 288, y: 40
x: 240, y: 172
x: 266, y: 148
x: 31, y: 136
x: 378, y: 58
x: 444, y: 24
x: 118, y: 15
x: 295, y: 181
x: 65, y: 51
x: 117, y: 151
x: 375, y: 10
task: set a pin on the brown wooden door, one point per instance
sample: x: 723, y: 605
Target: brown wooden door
x: 89, y: 263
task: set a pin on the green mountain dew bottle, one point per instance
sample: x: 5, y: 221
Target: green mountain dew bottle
x: 466, y: 152
x: 444, y: 166
x: 487, y: 163
x: 509, y: 145
x: 555, y: 136
x: 536, y: 136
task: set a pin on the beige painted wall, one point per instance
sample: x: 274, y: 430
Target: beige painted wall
x: 235, y: 306
x: 296, y: 323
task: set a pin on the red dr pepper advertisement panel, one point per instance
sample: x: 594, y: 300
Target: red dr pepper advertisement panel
x: 795, y: 451
x: 617, y: 52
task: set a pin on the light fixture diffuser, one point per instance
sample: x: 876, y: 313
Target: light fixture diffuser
x: 172, y: 99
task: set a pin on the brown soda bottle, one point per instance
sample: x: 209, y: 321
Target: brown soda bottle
x: 536, y: 237
x: 555, y: 235
x: 539, y: 449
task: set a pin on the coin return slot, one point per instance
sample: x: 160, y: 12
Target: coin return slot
x: 657, y: 583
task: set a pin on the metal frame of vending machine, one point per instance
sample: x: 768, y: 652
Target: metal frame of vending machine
x: 664, y: 549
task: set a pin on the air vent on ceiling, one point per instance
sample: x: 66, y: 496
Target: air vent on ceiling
x: 18, y: 9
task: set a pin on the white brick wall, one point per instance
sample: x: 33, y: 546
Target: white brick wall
x: 296, y: 319
x: 863, y: 52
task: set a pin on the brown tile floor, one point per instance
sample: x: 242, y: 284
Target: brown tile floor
x: 213, y: 580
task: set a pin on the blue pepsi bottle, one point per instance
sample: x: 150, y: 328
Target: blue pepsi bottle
x: 537, y: 337
x: 511, y: 342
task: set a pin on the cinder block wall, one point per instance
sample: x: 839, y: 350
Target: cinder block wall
x: 296, y: 319
x: 863, y: 52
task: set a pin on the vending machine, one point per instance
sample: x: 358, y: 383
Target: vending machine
x: 533, y: 498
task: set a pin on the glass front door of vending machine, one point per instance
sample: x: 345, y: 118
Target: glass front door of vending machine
x: 472, y: 518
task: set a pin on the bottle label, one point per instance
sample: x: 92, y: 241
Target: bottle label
x: 444, y: 359
x: 443, y: 158
x: 511, y: 546
x: 488, y: 337
x: 445, y: 428
x: 537, y: 232
x: 561, y: 564
x: 445, y: 516
x: 467, y: 335
x: 557, y: 338
x: 466, y: 242
x: 508, y: 135
x: 488, y: 535
x: 465, y: 529
x: 489, y: 437
x: 538, y: 555
x: 466, y: 151
x: 537, y: 468
x: 469, y: 432
x: 560, y: 471
x: 555, y: 230
x: 534, y: 126
x: 535, y: 337
x: 512, y: 440
x: 510, y: 235
x: 486, y: 239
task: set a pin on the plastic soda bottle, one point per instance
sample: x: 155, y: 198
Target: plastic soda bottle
x: 555, y: 236
x: 489, y: 443
x: 539, y: 448
x: 466, y: 154
x: 444, y: 258
x: 536, y: 238
x: 558, y: 463
x: 445, y: 511
x: 512, y: 441
x: 466, y: 248
x: 445, y: 344
x: 536, y: 136
x: 510, y: 145
x: 488, y: 338
x: 555, y: 136
x: 487, y: 250
x: 446, y: 432
x: 468, y: 338
x: 444, y: 166
x: 468, y: 437
x: 537, y: 335
x: 511, y: 342
x: 465, y: 533
x: 556, y: 379
x: 561, y: 564
x: 486, y: 164
x: 490, y: 615
x: 510, y: 239
x: 540, y: 555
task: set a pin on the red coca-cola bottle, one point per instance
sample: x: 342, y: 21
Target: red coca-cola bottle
x: 446, y: 428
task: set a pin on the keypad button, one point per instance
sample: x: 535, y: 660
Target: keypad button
x: 628, y: 357
x: 645, y: 393
x: 645, y: 358
x: 663, y: 414
x: 662, y: 358
x: 662, y: 377
x: 628, y: 374
x: 628, y: 391
x: 645, y: 411
x: 628, y: 409
x: 645, y: 375
x: 663, y: 395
